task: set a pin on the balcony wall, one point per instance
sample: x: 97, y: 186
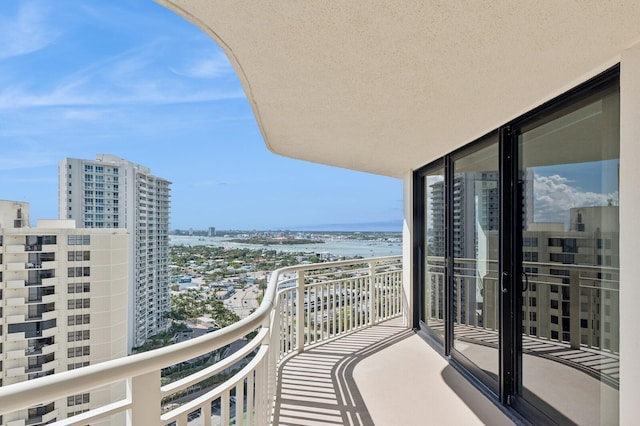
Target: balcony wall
x: 16, y: 266
x: 15, y: 248
x: 15, y: 283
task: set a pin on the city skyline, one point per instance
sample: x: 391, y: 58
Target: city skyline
x: 134, y: 80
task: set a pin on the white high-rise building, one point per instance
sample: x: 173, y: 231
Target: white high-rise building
x: 110, y: 192
x: 63, y: 297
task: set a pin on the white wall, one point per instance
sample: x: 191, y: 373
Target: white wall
x: 629, y: 235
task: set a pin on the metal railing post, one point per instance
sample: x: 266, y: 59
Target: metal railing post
x: 300, y: 312
x: 574, y: 309
x: 372, y: 293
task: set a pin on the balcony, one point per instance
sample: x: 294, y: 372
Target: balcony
x: 40, y: 347
x: 329, y: 344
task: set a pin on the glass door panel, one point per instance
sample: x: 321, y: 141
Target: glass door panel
x: 475, y: 225
x: 433, y: 287
x: 568, y: 349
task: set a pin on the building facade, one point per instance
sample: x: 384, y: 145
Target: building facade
x: 63, y: 297
x: 110, y: 192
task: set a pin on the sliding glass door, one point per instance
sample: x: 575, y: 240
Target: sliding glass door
x: 432, y: 289
x: 568, y: 341
x: 475, y: 231
x: 518, y: 272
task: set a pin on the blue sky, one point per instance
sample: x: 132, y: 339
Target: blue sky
x: 130, y: 78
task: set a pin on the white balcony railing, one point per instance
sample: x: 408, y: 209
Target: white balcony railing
x: 302, y: 305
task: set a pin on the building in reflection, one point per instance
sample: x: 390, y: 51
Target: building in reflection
x: 572, y: 277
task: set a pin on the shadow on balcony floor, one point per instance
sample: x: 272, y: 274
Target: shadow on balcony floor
x: 601, y: 365
x: 383, y: 375
x: 317, y: 386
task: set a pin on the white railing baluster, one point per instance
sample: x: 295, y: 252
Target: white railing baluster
x: 362, y: 301
x: 250, y: 398
x: 336, y: 312
x: 299, y: 317
x: 206, y: 413
x: 337, y: 305
x: 144, y: 393
x: 239, y: 403
x: 352, y: 304
x: 307, y: 321
x: 372, y: 293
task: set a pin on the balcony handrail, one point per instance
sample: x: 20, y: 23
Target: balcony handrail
x: 602, y: 268
x: 29, y: 393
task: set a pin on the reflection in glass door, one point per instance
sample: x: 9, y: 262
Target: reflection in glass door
x: 433, y: 286
x: 569, y: 342
x: 475, y: 232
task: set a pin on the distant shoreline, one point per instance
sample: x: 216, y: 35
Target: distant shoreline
x: 346, y: 247
x: 274, y: 241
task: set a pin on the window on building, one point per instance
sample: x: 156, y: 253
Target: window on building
x: 78, y: 351
x: 79, y: 255
x: 49, y: 239
x: 79, y: 240
x: 37, y: 412
x: 78, y: 303
x: 78, y: 399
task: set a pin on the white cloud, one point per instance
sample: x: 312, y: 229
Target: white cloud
x: 26, y: 32
x: 554, y: 196
x: 82, y: 93
x: 212, y: 67
x: 131, y: 77
x: 6, y: 180
x: 27, y: 160
x: 213, y: 183
x: 82, y: 114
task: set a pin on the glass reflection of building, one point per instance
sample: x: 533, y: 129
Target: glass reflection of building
x: 523, y: 258
x: 472, y: 191
x: 548, y: 249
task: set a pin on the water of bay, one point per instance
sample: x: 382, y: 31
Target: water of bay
x: 337, y: 247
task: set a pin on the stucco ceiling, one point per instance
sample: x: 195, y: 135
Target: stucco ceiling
x: 386, y: 86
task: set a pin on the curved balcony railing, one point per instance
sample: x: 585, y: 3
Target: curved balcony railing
x: 302, y: 305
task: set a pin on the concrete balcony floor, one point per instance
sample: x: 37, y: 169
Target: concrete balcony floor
x: 382, y: 375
